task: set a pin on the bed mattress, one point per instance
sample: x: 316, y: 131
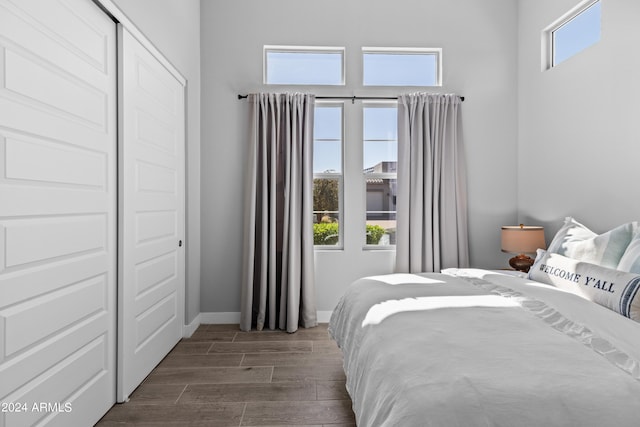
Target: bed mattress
x: 484, y: 348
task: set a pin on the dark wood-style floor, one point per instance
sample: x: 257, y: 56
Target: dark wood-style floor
x: 224, y: 377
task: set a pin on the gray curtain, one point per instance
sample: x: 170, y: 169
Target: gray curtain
x: 278, y: 280
x: 432, y: 195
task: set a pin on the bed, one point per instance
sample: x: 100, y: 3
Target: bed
x: 470, y: 347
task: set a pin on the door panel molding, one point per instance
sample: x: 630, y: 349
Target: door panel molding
x: 58, y: 216
x: 151, y: 211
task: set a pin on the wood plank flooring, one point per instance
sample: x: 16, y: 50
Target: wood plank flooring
x: 224, y: 377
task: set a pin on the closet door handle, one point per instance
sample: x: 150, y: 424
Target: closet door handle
x: 180, y: 243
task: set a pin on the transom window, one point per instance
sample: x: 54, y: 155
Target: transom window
x: 573, y: 33
x: 304, y: 65
x: 401, y: 66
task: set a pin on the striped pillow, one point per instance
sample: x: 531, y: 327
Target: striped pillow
x: 616, y: 290
x: 630, y: 261
x: 576, y: 241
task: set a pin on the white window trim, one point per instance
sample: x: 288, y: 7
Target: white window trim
x: 301, y: 49
x: 548, y: 33
x: 339, y: 177
x: 374, y: 175
x: 352, y: 180
x: 437, y: 51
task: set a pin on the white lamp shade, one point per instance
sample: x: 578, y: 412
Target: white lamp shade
x: 522, y: 239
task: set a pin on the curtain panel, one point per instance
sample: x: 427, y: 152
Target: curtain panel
x: 432, y: 195
x: 278, y: 288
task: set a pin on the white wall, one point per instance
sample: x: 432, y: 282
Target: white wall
x: 479, y: 42
x: 173, y: 26
x: 573, y: 130
x: 579, y: 123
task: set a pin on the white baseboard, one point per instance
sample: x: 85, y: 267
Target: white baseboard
x: 324, y: 316
x: 189, y: 329
x: 233, y: 317
x: 220, y: 318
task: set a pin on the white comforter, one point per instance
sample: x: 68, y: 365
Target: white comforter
x: 481, y: 348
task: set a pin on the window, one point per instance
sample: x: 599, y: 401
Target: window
x: 379, y: 151
x: 401, y: 66
x: 573, y: 33
x: 327, y: 174
x: 303, y: 65
x: 380, y: 160
x: 355, y: 144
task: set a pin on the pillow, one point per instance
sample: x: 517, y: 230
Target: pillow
x: 630, y: 260
x: 616, y: 290
x: 570, y: 233
x: 576, y: 241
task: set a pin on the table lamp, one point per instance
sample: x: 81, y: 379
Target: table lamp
x: 522, y: 239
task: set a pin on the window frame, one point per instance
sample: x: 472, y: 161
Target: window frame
x: 548, y: 34
x: 302, y: 50
x: 435, y: 51
x: 334, y: 175
x: 375, y: 175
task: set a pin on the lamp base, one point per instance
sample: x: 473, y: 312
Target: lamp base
x: 521, y: 262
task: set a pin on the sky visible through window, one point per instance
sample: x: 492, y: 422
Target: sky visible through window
x: 379, y: 131
x: 577, y: 34
x: 307, y: 68
x: 393, y: 69
x: 397, y: 69
x: 380, y: 135
x: 327, y: 134
x: 380, y: 123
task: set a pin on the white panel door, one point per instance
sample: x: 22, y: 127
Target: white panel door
x: 151, y: 258
x: 58, y: 195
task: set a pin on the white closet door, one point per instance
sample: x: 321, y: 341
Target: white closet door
x: 151, y: 258
x: 57, y: 212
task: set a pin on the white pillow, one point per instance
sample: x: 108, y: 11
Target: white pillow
x: 630, y: 261
x: 570, y: 233
x: 616, y: 290
x: 576, y: 241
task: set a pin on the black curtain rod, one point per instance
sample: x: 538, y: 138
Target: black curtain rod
x: 352, y: 98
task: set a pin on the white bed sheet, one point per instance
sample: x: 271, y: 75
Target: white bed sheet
x: 483, y: 348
